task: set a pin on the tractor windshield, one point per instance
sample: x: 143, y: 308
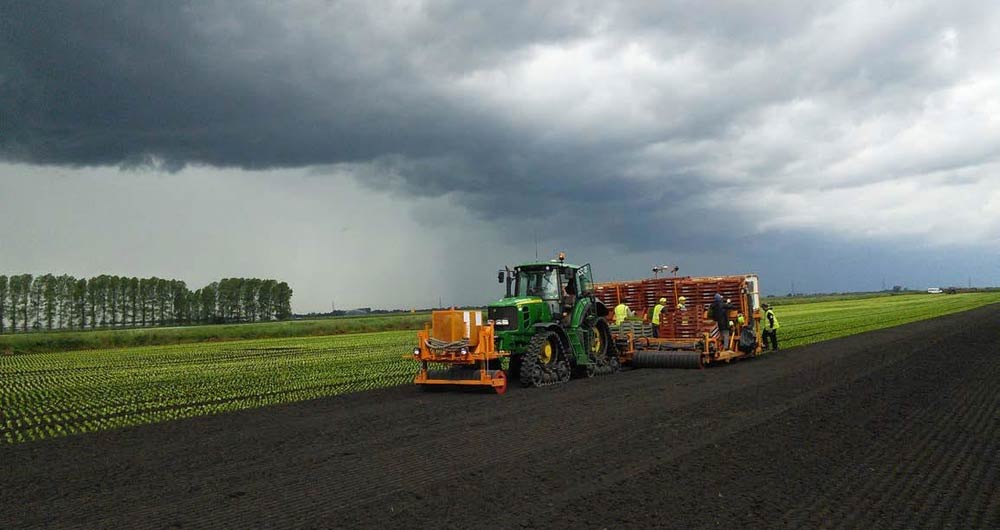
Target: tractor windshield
x: 543, y: 283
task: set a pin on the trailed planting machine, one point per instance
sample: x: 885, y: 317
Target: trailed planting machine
x: 549, y: 323
x: 687, y: 337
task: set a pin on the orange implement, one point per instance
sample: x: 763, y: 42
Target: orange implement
x: 458, y: 349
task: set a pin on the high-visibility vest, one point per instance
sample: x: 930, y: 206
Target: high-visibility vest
x: 657, y: 309
x: 767, y: 320
x: 621, y: 311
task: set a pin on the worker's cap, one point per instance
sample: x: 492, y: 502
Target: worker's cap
x: 663, y: 300
x: 681, y: 299
x: 718, y: 297
x: 765, y: 306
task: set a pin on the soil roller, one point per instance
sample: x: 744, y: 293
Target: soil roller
x: 458, y: 349
x: 667, y: 359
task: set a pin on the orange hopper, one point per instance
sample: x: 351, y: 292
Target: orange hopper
x: 457, y: 348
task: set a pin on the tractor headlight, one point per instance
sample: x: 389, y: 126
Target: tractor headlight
x: 464, y: 351
x: 416, y: 351
x: 502, y: 322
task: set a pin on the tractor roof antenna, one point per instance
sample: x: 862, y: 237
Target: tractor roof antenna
x: 536, y: 244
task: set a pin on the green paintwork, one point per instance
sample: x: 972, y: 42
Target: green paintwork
x: 516, y: 301
x: 533, y: 310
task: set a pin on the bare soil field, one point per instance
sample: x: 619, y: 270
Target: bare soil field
x: 896, y: 428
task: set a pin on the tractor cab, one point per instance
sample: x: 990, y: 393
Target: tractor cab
x: 542, y: 291
x: 557, y: 285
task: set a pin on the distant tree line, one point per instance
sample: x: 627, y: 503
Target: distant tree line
x: 50, y: 302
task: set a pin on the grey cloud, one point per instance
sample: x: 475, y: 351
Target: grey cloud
x: 104, y: 83
x: 380, y: 90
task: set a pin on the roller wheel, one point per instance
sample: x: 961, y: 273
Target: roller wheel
x: 563, y: 372
x: 542, y: 361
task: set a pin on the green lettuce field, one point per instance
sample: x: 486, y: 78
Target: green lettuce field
x: 816, y: 321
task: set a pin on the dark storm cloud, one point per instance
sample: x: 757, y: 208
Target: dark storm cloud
x: 657, y: 124
x: 111, y: 82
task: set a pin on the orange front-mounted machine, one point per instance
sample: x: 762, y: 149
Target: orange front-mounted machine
x: 456, y: 348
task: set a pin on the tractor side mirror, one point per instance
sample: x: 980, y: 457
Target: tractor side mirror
x: 506, y: 274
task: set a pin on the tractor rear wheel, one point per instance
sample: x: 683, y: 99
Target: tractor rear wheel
x: 600, y: 349
x: 543, y: 362
x: 600, y: 338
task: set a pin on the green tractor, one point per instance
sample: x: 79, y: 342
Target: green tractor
x: 552, y: 324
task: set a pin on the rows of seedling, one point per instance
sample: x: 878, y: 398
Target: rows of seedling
x: 46, y: 395
x: 814, y: 322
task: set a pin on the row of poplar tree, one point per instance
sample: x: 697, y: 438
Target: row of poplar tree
x: 50, y: 302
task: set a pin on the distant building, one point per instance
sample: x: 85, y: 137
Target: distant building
x: 935, y: 290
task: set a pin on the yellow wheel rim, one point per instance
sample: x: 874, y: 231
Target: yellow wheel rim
x: 546, y: 356
x: 596, y: 347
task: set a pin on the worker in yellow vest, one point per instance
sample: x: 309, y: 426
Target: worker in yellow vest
x: 657, y: 311
x: 682, y: 314
x: 770, y: 328
x: 621, y: 313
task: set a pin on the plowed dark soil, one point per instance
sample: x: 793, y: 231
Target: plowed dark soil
x: 898, y: 428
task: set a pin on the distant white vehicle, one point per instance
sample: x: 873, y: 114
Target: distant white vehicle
x: 935, y: 290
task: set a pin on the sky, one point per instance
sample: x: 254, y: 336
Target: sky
x: 395, y: 154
